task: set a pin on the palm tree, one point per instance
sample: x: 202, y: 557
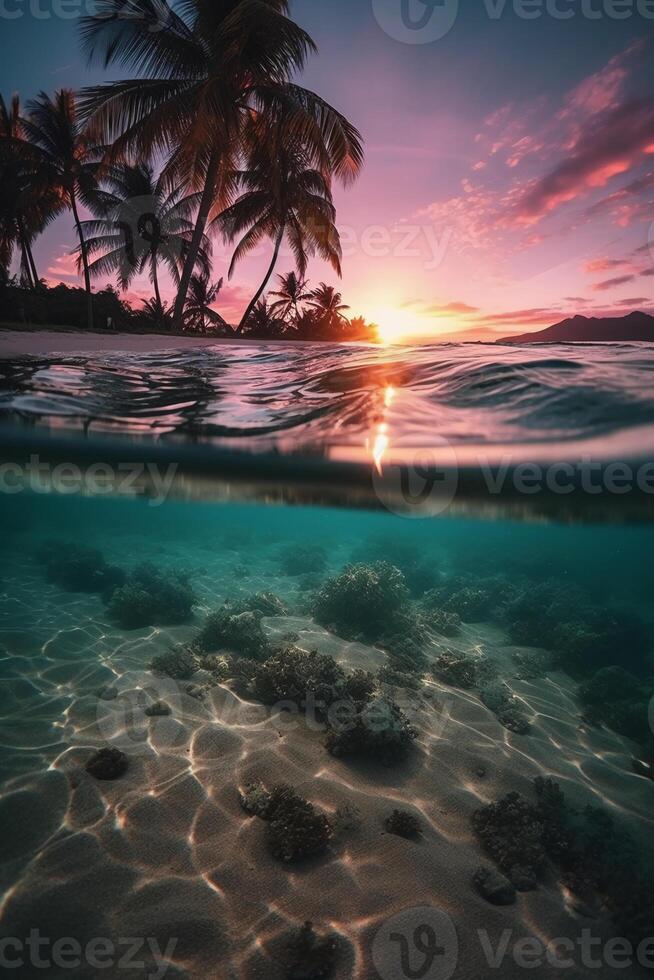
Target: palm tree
x: 284, y: 196
x: 329, y: 306
x: 263, y: 323
x: 291, y: 292
x: 358, y: 328
x: 26, y: 204
x: 205, y: 69
x: 67, y: 161
x: 155, y: 315
x: 202, y: 293
x: 142, y: 224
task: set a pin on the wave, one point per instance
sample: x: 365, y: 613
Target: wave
x: 322, y: 399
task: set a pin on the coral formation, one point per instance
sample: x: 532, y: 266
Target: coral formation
x: 420, y: 572
x: 255, y: 800
x: 442, y: 621
x: 151, y: 597
x: 378, y: 729
x: 497, y: 697
x: 107, y: 763
x: 591, y: 855
x: 511, y: 832
x: 616, y: 698
x: 309, y: 957
x: 266, y: 603
x: 180, y: 663
x: 295, y: 830
x: 76, y: 568
x: 460, y: 669
x: 237, y: 632
x: 494, y: 887
x: 403, y: 824
x: 301, y: 558
x: 361, y: 602
x: 293, y: 675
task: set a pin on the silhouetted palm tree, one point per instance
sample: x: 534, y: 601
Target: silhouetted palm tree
x: 263, y: 323
x: 283, y: 197
x: 68, y: 161
x: 358, y: 328
x: 201, y: 294
x: 142, y: 224
x: 156, y: 315
x: 206, y: 69
x: 27, y: 204
x: 291, y: 292
x: 326, y: 301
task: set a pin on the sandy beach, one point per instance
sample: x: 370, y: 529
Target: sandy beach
x: 34, y: 343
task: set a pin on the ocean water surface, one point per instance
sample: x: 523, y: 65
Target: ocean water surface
x: 249, y: 631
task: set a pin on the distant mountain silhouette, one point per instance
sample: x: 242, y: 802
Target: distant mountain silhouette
x: 583, y: 329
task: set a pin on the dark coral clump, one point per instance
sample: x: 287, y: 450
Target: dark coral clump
x: 301, y: 558
x: 420, y: 571
x: 442, y: 621
x: 237, y: 632
x: 378, y: 729
x: 255, y: 800
x: 294, y: 675
x: 180, y: 663
x: 498, y: 698
x: 458, y: 669
x: 363, y: 601
x: 151, y: 597
x: 616, y: 698
x: 403, y: 824
x: 590, y: 854
x: 471, y: 598
x: 511, y: 831
x: 308, y: 956
x: 583, y: 637
x: 295, y: 829
x: 107, y: 764
x: 266, y: 603
x: 76, y: 568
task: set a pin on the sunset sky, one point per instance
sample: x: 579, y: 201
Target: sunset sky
x: 509, y: 179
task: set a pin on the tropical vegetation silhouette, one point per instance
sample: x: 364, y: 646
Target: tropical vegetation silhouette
x: 209, y: 134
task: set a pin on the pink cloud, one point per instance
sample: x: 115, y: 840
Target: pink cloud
x: 64, y: 265
x: 612, y: 145
x: 612, y: 283
x: 605, y: 265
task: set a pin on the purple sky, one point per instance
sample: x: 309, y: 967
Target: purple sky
x: 510, y: 163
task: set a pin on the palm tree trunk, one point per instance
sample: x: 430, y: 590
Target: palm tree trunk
x: 155, y: 281
x: 200, y: 225
x: 28, y: 258
x: 85, y: 261
x: 255, y: 299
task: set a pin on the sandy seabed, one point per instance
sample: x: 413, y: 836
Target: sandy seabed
x: 167, y: 852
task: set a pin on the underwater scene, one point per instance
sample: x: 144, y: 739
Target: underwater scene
x: 251, y: 741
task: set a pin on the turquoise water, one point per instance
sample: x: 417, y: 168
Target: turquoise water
x: 468, y: 640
